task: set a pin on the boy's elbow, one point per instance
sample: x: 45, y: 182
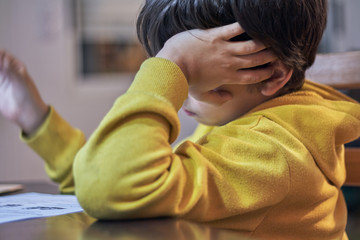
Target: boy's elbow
x: 126, y: 196
x: 95, y: 194
x: 105, y: 203
x: 98, y: 202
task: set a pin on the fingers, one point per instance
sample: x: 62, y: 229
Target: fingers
x: 5, y: 60
x: 251, y: 76
x: 254, y: 60
x: 249, y: 62
x: 245, y: 47
x: 229, y: 31
x: 8, y: 61
x: 2, y: 56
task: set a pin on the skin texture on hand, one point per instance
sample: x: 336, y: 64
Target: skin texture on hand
x: 209, y: 59
x: 20, y: 101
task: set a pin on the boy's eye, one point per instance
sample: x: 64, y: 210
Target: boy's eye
x: 222, y: 92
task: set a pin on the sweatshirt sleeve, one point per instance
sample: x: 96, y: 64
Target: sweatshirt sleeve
x: 127, y: 169
x: 57, y: 142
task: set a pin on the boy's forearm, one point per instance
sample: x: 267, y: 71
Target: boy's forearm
x: 57, y: 143
x: 127, y: 169
x: 129, y: 156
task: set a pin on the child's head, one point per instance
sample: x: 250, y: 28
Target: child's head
x: 291, y: 28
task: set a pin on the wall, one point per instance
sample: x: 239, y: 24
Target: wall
x: 40, y: 33
x: 36, y: 32
x: 342, y: 32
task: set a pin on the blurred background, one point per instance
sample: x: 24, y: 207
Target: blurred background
x: 83, y: 54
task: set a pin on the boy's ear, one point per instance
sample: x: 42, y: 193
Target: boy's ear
x: 281, y: 76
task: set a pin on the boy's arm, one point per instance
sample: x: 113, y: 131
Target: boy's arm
x: 127, y: 168
x: 20, y: 101
x: 42, y: 128
x: 57, y: 143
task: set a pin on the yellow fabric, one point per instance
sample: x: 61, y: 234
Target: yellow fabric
x: 57, y: 143
x: 274, y: 173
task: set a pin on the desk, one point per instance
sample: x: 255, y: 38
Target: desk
x: 79, y: 226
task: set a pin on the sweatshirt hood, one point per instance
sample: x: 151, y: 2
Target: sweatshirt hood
x: 323, y: 119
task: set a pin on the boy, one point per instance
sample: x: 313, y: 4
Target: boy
x: 267, y: 158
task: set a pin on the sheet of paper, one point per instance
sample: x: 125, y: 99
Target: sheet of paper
x: 36, y: 205
x: 6, y: 188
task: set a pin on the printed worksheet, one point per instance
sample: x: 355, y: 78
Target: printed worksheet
x: 36, y: 205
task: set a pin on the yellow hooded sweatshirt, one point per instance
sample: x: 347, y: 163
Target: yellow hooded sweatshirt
x: 274, y: 173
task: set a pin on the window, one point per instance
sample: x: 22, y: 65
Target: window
x: 106, y: 38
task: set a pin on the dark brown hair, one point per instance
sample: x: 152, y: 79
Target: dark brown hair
x: 291, y: 28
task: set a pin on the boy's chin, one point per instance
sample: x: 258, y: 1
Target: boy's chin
x: 210, y: 122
